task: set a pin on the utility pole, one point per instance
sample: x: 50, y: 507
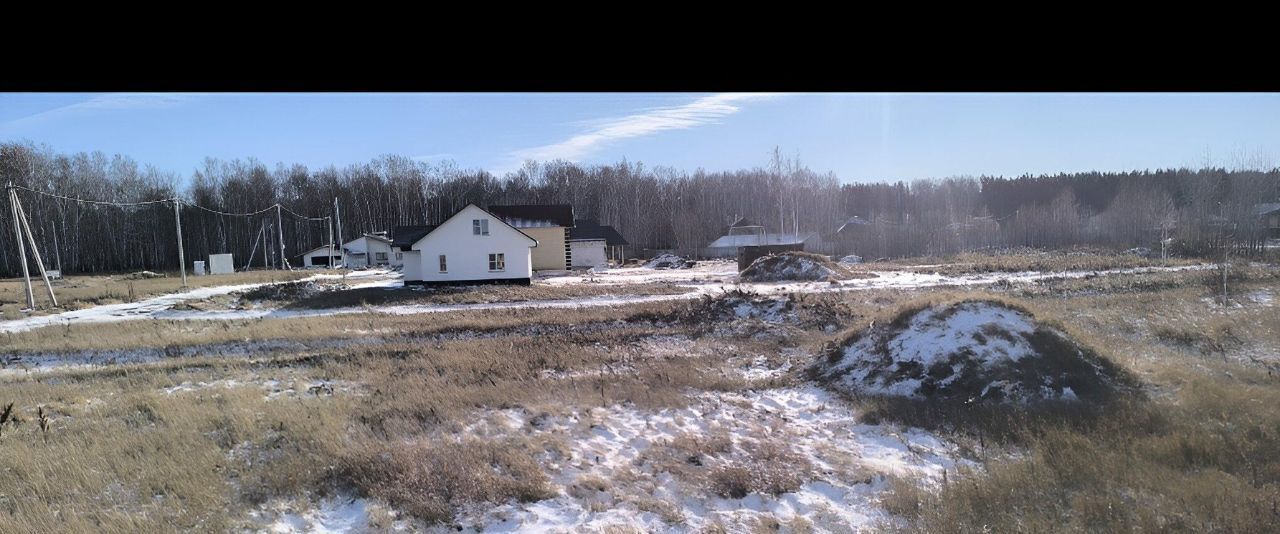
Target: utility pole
x: 22, y: 251
x: 330, y: 236
x: 182, y: 257
x: 265, y: 244
x: 280, y: 236
x: 35, y: 252
x: 57, y: 250
x: 337, y: 213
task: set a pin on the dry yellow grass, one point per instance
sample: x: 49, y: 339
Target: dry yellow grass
x: 143, y: 459
x: 125, y: 455
x: 1197, y: 455
x: 162, y: 334
x: 471, y: 294
x: 1023, y: 260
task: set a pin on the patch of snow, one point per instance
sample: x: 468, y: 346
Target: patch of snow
x: 619, y: 444
x: 332, y: 515
x: 669, y: 261
x: 149, y: 308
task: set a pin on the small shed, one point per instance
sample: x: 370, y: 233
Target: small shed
x: 368, y: 250
x: 221, y: 264
x: 729, y: 245
x: 320, y: 257
x: 593, y: 244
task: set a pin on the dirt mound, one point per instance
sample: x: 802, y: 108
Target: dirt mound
x: 793, y: 266
x: 289, y: 291
x: 851, y: 259
x: 669, y: 261
x: 738, y: 304
x: 142, y: 275
x: 970, y: 351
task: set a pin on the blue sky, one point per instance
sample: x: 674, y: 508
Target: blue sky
x: 859, y: 137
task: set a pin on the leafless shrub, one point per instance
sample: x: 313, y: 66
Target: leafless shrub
x: 429, y: 479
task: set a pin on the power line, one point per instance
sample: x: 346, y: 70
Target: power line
x: 164, y: 200
x: 211, y: 210
x: 96, y: 202
x: 291, y: 212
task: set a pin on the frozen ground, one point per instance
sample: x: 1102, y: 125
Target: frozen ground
x: 335, y: 514
x: 153, y: 307
x: 706, y: 278
x: 618, y: 469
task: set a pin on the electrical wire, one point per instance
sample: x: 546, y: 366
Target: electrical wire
x: 165, y: 200
x: 95, y: 202
x: 211, y: 210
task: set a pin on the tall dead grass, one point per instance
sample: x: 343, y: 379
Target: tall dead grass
x: 1197, y: 454
x: 77, y: 292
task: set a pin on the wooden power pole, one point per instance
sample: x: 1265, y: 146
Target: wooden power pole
x: 22, y: 252
x: 338, y: 214
x: 280, y: 236
x: 182, y: 257
x: 35, y: 252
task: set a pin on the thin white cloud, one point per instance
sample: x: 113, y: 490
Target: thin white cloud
x: 703, y: 111
x: 102, y: 103
x: 432, y: 157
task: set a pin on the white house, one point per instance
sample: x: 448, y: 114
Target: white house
x: 472, y: 246
x: 547, y: 223
x: 369, y: 250
x: 319, y: 257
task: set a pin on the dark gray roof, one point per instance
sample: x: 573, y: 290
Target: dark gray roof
x: 1266, y: 209
x: 852, y: 222
x: 534, y: 215
x: 403, y: 237
x: 589, y: 229
x: 376, y: 237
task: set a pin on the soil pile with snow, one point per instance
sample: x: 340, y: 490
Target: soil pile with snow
x: 793, y: 266
x: 142, y: 275
x: 970, y: 351
x: 851, y: 259
x: 669, y: 261
x: 290, y: 291
x: 738, y: 304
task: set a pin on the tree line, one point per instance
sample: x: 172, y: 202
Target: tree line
x: 1198, y: 211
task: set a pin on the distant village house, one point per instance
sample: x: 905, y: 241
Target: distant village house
x: 470, y: 247
x: 549, y: 224
x: 368, y: 250
x: 593, y: 245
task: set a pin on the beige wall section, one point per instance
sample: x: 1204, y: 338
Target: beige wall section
x: 549, y: 254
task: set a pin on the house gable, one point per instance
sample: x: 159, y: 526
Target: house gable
x: 466, y: 215
x: 454, y: 253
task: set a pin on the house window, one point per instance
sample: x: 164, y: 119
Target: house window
x: 444, y: 264
x: 480, y: 226
x: 399, y: 255
x: 497, y: 262
x: 380, y: 256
